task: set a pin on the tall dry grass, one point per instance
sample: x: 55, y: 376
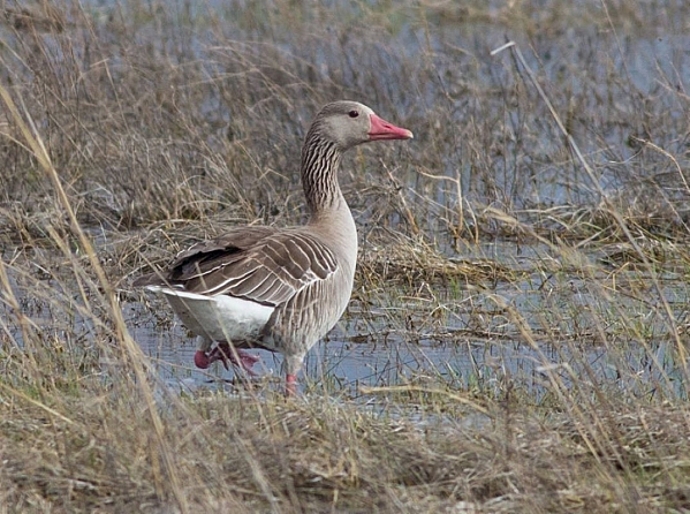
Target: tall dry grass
x: 132, y: 129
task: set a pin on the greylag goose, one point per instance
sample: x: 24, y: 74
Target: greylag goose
x: 280, y: 289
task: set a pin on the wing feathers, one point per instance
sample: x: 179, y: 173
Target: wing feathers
x: 266, y: 266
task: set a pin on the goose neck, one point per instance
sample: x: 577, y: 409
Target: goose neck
x: 320, y: 163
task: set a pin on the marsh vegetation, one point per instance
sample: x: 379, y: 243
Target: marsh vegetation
x: 537, y: 300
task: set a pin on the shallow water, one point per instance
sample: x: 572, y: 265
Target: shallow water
x: 341, y: 364
x: 392, y: 339
x: 380, y: 356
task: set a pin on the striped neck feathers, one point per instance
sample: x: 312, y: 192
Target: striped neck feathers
x: 320, y: 163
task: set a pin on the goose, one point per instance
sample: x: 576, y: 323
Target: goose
x: 278, y: 289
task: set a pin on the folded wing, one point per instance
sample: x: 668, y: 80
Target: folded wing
x: 258, y: 264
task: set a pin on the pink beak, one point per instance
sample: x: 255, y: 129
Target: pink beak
x: 381, y: 129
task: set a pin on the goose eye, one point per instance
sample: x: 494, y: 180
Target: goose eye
x: 353, y: 114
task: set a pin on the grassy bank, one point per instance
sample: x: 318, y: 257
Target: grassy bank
x: 131, y: 130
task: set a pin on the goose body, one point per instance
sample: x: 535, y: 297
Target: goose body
x: 280, y: 289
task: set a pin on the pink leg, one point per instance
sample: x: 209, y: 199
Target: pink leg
x: 201, y: 360
x: 224, y: 353
x: 290, y: 385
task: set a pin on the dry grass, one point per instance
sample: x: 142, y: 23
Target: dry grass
x: 141, y: 129
x: 316, y: 455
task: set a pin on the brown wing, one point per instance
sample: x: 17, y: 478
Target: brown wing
x: 237, y: 240
x: 229, y: 244
x: 259, y: 263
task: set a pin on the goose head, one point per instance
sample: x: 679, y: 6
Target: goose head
x: 347, y: 124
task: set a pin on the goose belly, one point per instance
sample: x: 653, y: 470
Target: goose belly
x: 309, y: 315
x: 219, y: 318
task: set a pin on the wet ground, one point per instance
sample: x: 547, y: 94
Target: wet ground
x: 581, y: 324
x: 392, y: 342
x: 590, y: 312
